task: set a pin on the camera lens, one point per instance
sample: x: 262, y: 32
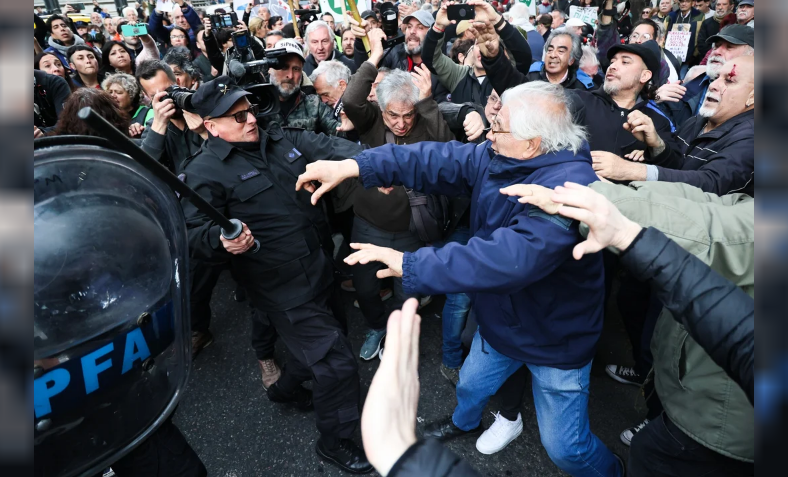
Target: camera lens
x: 462, y: 12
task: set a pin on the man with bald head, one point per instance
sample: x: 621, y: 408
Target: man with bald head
x: 717, y: 146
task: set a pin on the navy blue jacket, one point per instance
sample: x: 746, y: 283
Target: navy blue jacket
x: 533, y: 301
x: 721, y: 161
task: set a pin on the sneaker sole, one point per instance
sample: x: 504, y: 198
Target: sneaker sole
x: 336, y: 463
x: 626, y: 442
x: 620, y: 379
x: 502, y: 447
x: 373, y: 354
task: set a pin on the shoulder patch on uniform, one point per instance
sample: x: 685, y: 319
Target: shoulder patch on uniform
x: 249, y: 175
x: 559, y: 220
x: 293, y: 154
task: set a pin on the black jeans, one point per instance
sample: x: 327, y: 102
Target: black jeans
x: 365, y: 281
x: 511, y: 393
x: 263, y: 336
x: 318, y: 349
x: 662, y: 449
x: 203, y: 276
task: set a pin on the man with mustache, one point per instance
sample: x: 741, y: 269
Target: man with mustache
x: 296, y: 108
x: 717, y: 152
x: 682, y: 101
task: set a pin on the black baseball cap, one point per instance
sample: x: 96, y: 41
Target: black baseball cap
x: 216, y: 97
x: 367, y: 14
x: 736, y: 35
x: 648, y: 51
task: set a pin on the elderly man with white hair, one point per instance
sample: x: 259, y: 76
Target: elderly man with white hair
x: 322, y: 47
x: 536, y: 306
x: 330, y: 80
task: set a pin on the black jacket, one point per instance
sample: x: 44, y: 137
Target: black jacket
x: 49, y: 94
x: 682, y: 110
x: 428, y: 457
x: 258, y: 187
x: 311, y: 63
x: 709, y: 28
x: 717, y: 314
x: 720, y: 161
x: 605, y: 122
x: 172, y: 148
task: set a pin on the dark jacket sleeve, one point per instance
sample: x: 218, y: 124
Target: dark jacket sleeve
x: 204, y: 233
x: 194, y: 20
x: 60, y: 91
x: 432, y: 120
x: 717, y: 314
x: 361, y: 112
x: 360, y: 54
x: 320, y: 147
x: 518, y: 47
x: 430, y: 457
x: 454, y: 114
x: 40, y: 32
x: 703, y: 35
x: 215, y: 55
x: 723, y: 172
x: 156, y: 28
x: 501, y: 73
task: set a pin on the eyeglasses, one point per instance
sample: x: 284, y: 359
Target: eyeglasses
x: 177, y: 37
x: 638, y: 36
x: 242, y: 116
x: 493, y: 100
x: 490, y: 129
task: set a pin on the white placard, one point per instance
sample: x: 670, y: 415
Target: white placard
x: 531, y: 4
x: 587, y: 14
x: 677, y: 43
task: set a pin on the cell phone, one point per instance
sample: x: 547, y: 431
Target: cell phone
x: 240, y: 40
x: 460, y: 12
x: 139, y: 29
x: 228, y: 20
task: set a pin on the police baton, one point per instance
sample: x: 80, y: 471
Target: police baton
x: 231, y: 228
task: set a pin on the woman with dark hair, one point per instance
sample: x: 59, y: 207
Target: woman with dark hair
x: 116, y: 57
x: 125, y: 91
x: 179, y: 37
x: 48, y: 62
x: 275, y: 23
x: 101, y: 102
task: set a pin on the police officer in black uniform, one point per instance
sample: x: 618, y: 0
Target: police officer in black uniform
x: 250, y: 174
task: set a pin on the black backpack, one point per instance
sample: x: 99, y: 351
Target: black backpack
x: 429, y: 215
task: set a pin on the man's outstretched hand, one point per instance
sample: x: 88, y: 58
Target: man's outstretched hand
x: 329, y: 173
x: 607, y: 226
x: 388, y: 422
x: 372, y: 253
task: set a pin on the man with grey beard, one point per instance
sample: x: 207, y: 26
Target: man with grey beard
x: 681, y: 101
x: 296, y: 108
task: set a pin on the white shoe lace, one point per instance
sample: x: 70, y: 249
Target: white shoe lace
x: 501, y: 425
x: 628, y: 372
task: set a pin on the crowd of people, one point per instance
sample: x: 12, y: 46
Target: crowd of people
x: 528, y: 165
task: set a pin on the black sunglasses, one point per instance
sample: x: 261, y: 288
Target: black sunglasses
x: 242, y: 116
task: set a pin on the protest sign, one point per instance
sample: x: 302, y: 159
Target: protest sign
x: 587, y: 14
x: 677, y: 43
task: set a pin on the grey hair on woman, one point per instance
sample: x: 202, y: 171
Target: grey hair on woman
x: 577, y: 45
x: 127, y: 82
x: 541, y: 110
x: 397, y: 86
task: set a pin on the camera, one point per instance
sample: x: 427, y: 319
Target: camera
x: 241, y: 42
x: 227, y: 20
x: 390, y: 25
x: 251, y: 72
x: 181, y: 97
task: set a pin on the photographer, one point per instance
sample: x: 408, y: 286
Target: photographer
x: 50, y: 93
x: 173, y: 134
x: 221, y: 47
x: 296, y: 108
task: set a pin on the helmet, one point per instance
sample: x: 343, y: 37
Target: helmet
x: 111, y: 332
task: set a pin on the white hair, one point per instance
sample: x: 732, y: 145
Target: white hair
x: 314, y: 26
x: 129, y: 10
x: 541, y: 109
x: 332, y: 72
x: 589, y: 57
x: 398, y: 86
x: 519, y: 10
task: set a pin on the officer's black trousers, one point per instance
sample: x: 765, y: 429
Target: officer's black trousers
x: 166, y: 453
x: 318, y: 349
x: 203, y: 277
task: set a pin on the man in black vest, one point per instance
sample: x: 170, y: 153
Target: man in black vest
x: 250, y: 173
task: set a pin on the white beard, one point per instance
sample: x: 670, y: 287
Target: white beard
x: 707, y: 111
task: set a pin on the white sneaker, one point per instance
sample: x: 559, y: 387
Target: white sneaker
x: 499, y: 435
x: 627, y: 435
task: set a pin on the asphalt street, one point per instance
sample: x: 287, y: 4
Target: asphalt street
x: 229, y: 421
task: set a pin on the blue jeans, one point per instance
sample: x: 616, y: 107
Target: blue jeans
x: 455, y: 310
x: 560, y: 399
